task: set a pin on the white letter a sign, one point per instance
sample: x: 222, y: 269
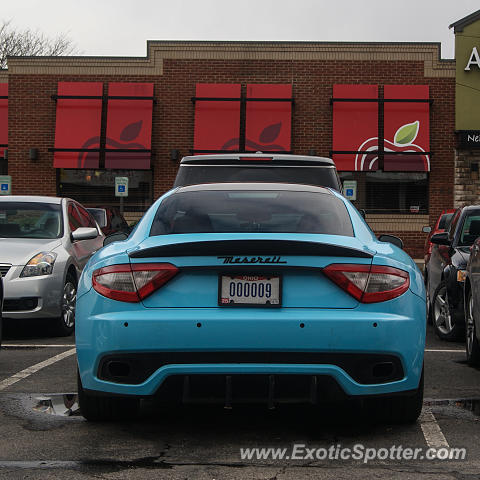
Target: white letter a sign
x: 474, y: 59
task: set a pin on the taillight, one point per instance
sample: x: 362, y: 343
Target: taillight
x: 369, y: 284
x: 256, y: 159
x: 132, y: 283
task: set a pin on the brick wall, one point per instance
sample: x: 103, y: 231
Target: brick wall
x: 32, y: 82
x: 467, y: 182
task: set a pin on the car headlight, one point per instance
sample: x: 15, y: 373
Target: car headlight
x: 40, y: 264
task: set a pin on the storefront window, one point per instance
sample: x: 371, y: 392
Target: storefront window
x: 390, y: 192
x: 97, y: 188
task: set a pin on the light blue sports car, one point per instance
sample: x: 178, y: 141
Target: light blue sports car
x: 251, y: 292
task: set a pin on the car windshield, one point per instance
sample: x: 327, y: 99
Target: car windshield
x: 30, y: 220
x: 470, y: 230
x: 315, y: 175
x: 242, y: 211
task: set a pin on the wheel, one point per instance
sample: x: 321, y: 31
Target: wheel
x: 472, y: 346
x: 399, y: 409
x: 65, y: 324
x: 443, y: 323
x: 104, y: 408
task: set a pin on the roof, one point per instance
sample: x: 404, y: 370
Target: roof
x: 459, y: 25
x: 291, y: 187
x: 471, y: 207
x: 31, y: 199
x: 275, y: 157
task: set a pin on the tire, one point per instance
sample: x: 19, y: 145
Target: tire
x: 472, y: 347
x: 398, y: 409
x: 104, y: 408
x: 443, y: 321
x: 65, y: 324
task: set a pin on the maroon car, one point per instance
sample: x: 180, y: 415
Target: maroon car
x: 442, y: 224
x: 110, y: 220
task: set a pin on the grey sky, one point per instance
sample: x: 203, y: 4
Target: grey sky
x: 122, y: 27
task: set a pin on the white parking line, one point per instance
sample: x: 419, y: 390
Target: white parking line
x: 444, y: 350
x: 35, y: 345
x: 431, y: 430
x: 34, y: 368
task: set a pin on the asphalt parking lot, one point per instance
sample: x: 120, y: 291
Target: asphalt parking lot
x: 44, y: 436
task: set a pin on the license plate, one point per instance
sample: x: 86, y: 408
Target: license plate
x: 249, y: 290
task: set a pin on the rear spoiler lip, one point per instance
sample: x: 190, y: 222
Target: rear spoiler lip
x: 235, y: 248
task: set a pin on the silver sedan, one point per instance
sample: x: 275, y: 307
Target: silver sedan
x: 44, y: 244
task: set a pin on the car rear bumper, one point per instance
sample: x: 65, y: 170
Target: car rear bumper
x: 216, y: 341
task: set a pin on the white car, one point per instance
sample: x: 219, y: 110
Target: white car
x: 44, y: 244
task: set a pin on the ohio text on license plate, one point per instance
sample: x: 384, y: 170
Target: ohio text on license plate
x: 249, y: 290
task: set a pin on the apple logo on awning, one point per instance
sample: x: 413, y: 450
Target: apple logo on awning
x: 265, y: 142
x: 127, y: 135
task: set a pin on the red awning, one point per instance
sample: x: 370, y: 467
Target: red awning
x: 129, y: 126
x: 355, y: 127
x: 407, y: 128
x: 3, y: 118
x: 217, y: 122
x: 268, y: 122
x: 78, y: 124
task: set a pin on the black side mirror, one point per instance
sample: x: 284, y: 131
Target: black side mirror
x: 398, y: 242
x: 115, y: 237
x: 440, y: 238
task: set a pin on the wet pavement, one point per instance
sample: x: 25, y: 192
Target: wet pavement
x: 43, y: 434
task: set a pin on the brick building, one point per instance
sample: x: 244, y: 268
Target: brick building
x: 323, y: 79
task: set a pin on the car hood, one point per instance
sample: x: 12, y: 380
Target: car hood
x: 464, y: 252
x: 18, y: 251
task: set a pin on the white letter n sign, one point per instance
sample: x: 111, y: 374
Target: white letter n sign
x: 474, y: 59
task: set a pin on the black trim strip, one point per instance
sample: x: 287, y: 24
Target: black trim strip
x: 360, y: 366
x: 249, y: 247
x: 99, y: 97
x: 130, y: 150
x: 377, y: 152
x: 241, y: 99
x: 383, y: 100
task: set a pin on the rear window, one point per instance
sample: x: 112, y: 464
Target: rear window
x: 242, y: 211
x: 445, y: 220
x: 196, y: 174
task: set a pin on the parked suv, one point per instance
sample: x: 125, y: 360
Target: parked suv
x: 258, y: 167
x: 445, y: 272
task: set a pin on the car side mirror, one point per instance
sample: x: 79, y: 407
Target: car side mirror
x: 84, y: 233
x: 440, y: 239
x: 398, y: 242
x: 362, y: 213
x: 115, y: 237
x: 426, y: 229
